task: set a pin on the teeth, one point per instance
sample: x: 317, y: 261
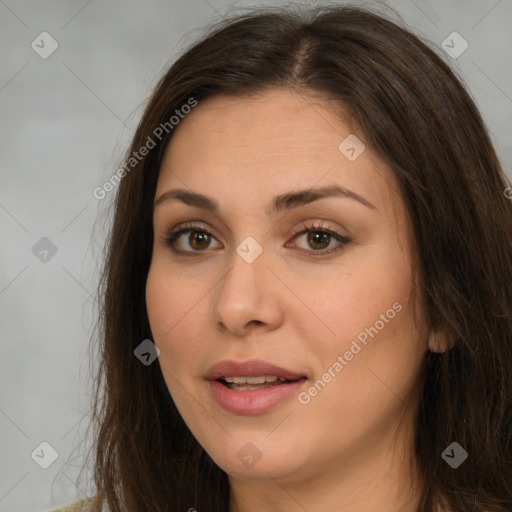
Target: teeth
x: 253, y: 387
x: 261, y: 379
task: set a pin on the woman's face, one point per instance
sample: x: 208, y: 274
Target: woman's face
x: 282, y: 280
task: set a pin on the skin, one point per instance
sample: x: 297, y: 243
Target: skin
x: 291, y: 307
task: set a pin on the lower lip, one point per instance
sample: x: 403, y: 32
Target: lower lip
x: 257, y: 401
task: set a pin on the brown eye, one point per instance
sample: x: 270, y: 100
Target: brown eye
x: 199, y: 240
x: 319, y: 239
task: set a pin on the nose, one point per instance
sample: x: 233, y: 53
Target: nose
x: 248, y: 297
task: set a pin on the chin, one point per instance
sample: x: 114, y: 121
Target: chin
x: 255, y: 455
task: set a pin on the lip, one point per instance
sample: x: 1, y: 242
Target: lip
x: 251, y: 368
x: 256, y: 401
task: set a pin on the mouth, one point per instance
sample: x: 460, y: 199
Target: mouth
x: 254, y: 372
x: 254, y: 383
x: 252, y: 387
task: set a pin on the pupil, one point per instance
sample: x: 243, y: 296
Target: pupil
x: 317, y: 237
x: 198, y: 236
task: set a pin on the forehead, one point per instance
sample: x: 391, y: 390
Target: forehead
x: 264, y: 144
x: 279, y: 119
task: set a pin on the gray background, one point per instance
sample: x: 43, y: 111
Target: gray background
x: 66, y: 123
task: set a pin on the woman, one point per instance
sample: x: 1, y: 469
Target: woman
x: 306, y: 300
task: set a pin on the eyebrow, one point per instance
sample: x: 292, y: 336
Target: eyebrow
x: 278, y: 204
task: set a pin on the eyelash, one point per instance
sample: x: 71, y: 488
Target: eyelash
x: 186, y: 227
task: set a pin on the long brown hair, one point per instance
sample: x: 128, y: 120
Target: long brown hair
x: 417, y: 116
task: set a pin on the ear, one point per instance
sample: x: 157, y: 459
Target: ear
x: 438, y: 341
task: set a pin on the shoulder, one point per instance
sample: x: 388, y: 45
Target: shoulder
x: 84, y: 505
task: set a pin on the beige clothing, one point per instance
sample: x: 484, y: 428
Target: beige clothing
x: 79, y: 506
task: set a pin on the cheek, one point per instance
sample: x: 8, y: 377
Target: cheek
x: 173, y: 308
x: 170, y: 298
x: 376, y: 356
x: 354, y: 300
x: 370, y: 318
x: 161, y: 302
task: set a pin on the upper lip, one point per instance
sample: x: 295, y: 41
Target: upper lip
x: 251, y: 368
